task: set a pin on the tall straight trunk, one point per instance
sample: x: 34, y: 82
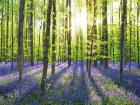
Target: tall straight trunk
x: 59, y: 56
x: 7, y: 30
x: 38, y: 56
x: 122, y: 36
x: 95, y: 32
x: 66, y: 24
x: 88, y: 4
x: 54, y: 39
x: 77, y: 49
x: 26, y: 41
x: 130, y: 33
x: 12, y: 26
x: 112, y: 32
x: 105, y: 33
x: 44, y: 22
x: 20, y: 38
x: 2, y: 32
x: 138, y: 44
x: 66, y: 32
x: 91, y: 51
x: 81, y: 46
x: 65, y: 43
x: 34, y: 38
x: 69, y: 35
x: 46, y: 46
x: 120, y: 8
x: 31, y: 34
x: 100, y: 32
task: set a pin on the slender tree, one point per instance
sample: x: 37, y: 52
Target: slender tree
x: 112, y: 32
x: 31, y: 34
x: 105, y: 33
x: 122, y: 34
x: 2, y: 23
x: 69, y: 35
x: 138, y: 39
x: 43, y: 21
x: 7, y: 30
x: 88, y: 4
x: 54, y: 38
x: 130, y: 33
x: 20, y: 38
x: 95, y: 33
x: 12, y: 32
x: 66, y: 30
x: 81, y: 46
x: 39, y: 45
x: 46, y: 49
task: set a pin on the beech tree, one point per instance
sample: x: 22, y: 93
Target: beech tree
x: 104, y: 33
x: 46, y: 47
x: 122, y: 35
x: 20, y: 38
x: 54, y: 38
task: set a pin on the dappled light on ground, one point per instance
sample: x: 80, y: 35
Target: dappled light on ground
x: 70, y: 85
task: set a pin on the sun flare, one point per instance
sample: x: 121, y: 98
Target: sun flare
x: 79, y: 21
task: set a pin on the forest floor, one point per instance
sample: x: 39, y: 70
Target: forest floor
x: 71, y: 86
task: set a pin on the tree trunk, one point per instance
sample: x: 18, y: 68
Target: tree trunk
x: 113, y: 43
x: 20, y: 38
x: 88, y: 40
x: 31, y: 34
x: 105, y: 33
x: 69, y: 35
x: 138, y: 44
x: 38, y: 56
x: 12, y: 26
x: 122, y: 34
x: 7, y: 31
x: 81, y: 46
x: 2, y: 39
x: 95, y: 33
x: 130, y: 37
x: 54, y: 39
x: 46, y: 46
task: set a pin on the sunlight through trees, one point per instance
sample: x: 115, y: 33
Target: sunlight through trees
x: 92, y: 36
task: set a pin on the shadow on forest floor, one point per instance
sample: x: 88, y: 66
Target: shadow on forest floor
x: 62, y: 71
x: 68, y: 87
x: 28, y: 83
x: 130, y: 82
x: 6, y: 69
x: 99, y: 91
